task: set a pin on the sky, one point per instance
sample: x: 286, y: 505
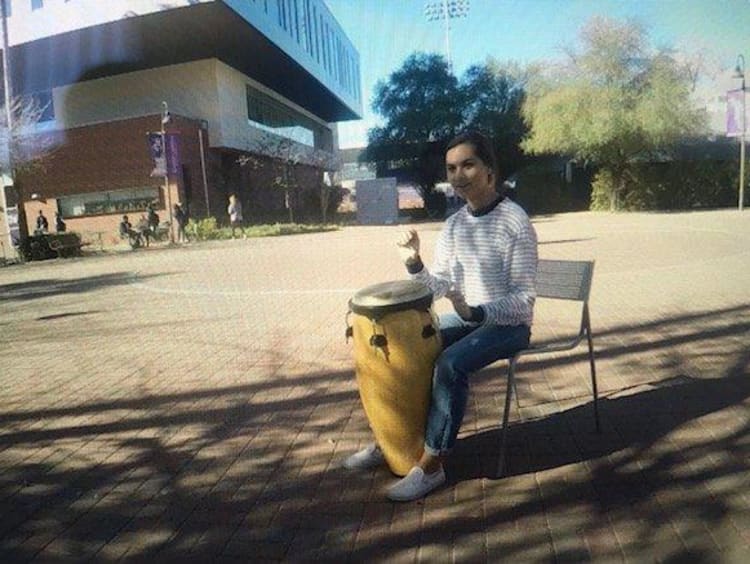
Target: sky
x: 385, y: 32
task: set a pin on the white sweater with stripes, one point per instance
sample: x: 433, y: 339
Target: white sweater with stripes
x: 491, y: 258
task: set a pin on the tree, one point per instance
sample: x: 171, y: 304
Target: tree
x: 616, y: 102
x: 424, y: 105
x: 493, y: 95
x: 22, y: 149
x: 421, y: 106
x: 288, y: 155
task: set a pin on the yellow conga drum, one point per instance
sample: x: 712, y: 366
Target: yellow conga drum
x: 396, y: 342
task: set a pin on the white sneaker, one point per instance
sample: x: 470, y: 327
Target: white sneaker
x: 415, y: 484
x: 369, y: 457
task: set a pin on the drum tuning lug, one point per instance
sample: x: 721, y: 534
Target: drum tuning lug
x: 378, y: 341
x: 428, y: 331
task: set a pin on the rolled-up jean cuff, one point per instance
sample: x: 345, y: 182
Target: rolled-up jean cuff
x: 435, y: 452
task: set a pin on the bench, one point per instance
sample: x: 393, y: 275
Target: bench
x: 559, y: 280
x: 62, y: 247
x: 160, y: 233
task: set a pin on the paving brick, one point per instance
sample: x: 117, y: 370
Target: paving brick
x: 191, y: 410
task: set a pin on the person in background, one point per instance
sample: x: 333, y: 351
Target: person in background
x: 152, y: 218
x: 235, y: 213
x: 181, y: 218
x: 127, y: 231
x: 42, y: 225
x: 60, y: 226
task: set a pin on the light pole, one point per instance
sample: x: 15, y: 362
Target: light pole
x: 446, y: 10
x: 165, y: 119
x: 739, y: 72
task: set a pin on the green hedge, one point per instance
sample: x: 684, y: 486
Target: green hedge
x: 207, y: 229
x: 671, y: 186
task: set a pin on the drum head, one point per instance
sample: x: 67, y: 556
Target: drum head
x: 387, y: 297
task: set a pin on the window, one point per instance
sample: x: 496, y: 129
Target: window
x: 316, y: 34
x: 309, y: 29
x: 115, y: 201
x: 296, y: 20
x: 269, y: 115
x: 37, y: 4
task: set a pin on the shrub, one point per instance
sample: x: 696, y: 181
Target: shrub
x: 286, y: 229
x: 675, y: 185
x: 40, y: 247
x: 206, y: 229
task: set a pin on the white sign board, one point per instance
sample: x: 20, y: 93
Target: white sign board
x: 377, y: 201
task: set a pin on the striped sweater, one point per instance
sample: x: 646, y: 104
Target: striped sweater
x: 491, y: 258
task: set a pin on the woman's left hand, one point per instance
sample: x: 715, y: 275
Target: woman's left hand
x: 459, y: 304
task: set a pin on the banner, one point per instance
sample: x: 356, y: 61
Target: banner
x: 166, y: 159
x: 156, y: 149
x: 735, y: 118
x: 173, y: 153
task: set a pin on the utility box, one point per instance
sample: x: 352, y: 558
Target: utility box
x: 377, y: 201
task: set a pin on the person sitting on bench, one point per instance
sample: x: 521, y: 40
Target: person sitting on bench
x: 126, y: 230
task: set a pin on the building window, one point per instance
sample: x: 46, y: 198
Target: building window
x: 323, y: 43
x: 316, y: 34
x: 296, y: 19
x: 269, y: 115
x: 116, y: 201
x: 37, y: 4
x: 308, y: 29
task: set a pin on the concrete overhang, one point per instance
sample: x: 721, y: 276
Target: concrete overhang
x: 201, y: 31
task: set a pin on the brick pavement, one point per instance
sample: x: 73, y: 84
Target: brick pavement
x: 195, y: 403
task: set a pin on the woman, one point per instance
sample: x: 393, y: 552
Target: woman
x: 235, y: 213
x: 485, y: 264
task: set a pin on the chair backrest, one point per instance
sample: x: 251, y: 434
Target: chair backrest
x: 564, y: 279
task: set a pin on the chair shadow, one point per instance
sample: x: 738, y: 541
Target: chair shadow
x: 635, y: 421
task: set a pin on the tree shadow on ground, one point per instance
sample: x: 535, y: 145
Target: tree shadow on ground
x: 252, y: 471
x: 50, y: 287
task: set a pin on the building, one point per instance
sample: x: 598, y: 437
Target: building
x: 248, y: 85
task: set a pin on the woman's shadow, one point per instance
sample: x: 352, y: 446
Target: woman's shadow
x: 634, y: 421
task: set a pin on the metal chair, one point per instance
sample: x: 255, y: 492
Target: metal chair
x: 562, y: 280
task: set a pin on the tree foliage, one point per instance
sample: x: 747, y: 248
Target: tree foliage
x: 288, y: 156
x: 616, y: 103
x: 423, y: 105
x: 23, y: 149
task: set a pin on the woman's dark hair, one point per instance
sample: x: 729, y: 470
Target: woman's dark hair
x: 481, y: 144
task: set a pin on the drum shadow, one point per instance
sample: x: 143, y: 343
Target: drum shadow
x: 634, y: 421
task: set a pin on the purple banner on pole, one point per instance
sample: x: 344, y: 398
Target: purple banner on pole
x: 156, y: 150
x: 173, y: 153
x: 735, y: 113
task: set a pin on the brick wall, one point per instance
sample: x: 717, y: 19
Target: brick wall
x: 114, y: 156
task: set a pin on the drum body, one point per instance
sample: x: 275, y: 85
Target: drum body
x: 396, y: 342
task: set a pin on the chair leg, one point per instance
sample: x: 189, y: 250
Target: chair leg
x: 593, y: 371
x: 504, y: 435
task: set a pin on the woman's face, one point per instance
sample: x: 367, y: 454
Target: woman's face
x: 470, y: 177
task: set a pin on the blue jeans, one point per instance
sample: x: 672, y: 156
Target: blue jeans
x: 466, y: 349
